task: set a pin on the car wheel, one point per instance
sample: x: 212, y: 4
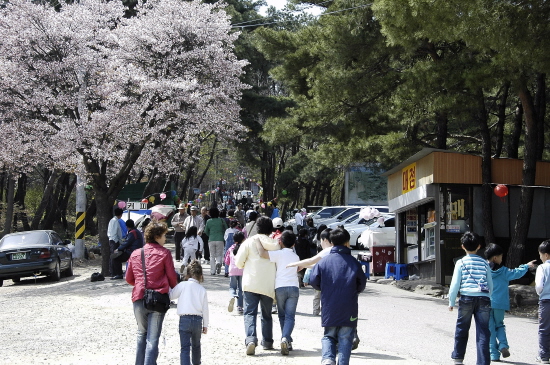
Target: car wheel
x: 56, y: 274
x: 1, y: 282
x: 16, y: 280
x: 69, y: 271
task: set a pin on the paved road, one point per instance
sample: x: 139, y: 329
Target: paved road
x: 78, y: 322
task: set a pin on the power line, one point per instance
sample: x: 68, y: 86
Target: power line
x: 237, y: 25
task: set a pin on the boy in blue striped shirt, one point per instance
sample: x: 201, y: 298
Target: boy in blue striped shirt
x: 472, y: 278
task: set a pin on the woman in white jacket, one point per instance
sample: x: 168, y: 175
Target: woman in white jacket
x: 190, y: 244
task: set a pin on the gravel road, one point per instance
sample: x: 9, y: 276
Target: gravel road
x: 75, y: 321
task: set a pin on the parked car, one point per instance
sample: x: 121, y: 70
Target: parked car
x: 352, y: 220
x: 385, y: 234
x: 339, y: 217
x: 31, y: 253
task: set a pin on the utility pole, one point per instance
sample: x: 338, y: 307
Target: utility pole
x: 80, y: 225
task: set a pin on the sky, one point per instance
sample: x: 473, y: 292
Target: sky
x: 279, y: 4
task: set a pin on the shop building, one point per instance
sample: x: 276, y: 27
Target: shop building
x: 436, y: 195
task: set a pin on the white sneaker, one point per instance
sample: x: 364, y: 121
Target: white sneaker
x: 284, y: 346
x: 251, y: 348
x: 231, y: 304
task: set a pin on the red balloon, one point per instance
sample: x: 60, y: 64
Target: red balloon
x: 144, y: 200
x: 501, y: 190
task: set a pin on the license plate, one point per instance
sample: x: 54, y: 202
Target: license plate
x: 18, y: 256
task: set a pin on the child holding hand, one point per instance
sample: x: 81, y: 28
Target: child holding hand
x: 193, y: 311
x: 500, y: 298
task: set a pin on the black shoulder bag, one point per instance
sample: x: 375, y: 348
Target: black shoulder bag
x: 153, y: 300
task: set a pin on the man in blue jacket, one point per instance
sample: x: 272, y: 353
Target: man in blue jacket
x: 340, y: 279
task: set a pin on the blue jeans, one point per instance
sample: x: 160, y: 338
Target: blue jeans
x: 498, y: 333
x: 190, y: 339
x: 544, y: 329
x: 341, y: 336
x: 480, y: 308
x: 251, y: 301
x: 236, y: 289
x: 287, y: 301
x: 149, y: 329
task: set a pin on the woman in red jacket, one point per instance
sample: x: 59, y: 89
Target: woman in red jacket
x: 161, y: 276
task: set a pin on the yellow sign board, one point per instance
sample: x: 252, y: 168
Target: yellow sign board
x: 409, y: 178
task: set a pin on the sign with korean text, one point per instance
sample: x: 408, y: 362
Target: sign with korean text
x: 409, y: 178
x: 136, y: 205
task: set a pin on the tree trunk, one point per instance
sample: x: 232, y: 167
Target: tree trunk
x: 501, y: 115
x: 9, y: 208
x: 53, y: 211
x: 515, y: 137
x: 20, y: 203
x: 45, y: 199
x: 523, y: 219
x: 540, y: 107
x: 91, y: 226
x: 442, y: 123
x: 486, y: 188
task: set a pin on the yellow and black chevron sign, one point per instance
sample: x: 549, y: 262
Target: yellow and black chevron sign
x: 80, y: 225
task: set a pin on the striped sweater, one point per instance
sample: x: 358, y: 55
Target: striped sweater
x: 470, y: 271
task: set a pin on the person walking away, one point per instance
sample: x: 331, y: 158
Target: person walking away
x: 251, y: 229
x: 193, y: 311
x: 190, y: 245
x: 115, y: 237
x: 205, y: 218
x: 542, y: 286
x: 278, y: 229
x: 258, y: 285
x: 134, y: 240
x: 235, y: 274
x: 299, y: 220
x: 472, y: 278
x: 215, y: 229
x: 287, y: 288
x: 310, y: 263
x: 195, y: 219
x: 500, y: 298
x: 311, y: 233
x: 161, y: 276
x: 178, y: 223
x: 229, y: 241
x: 340, y: 279
x: 240, y: 215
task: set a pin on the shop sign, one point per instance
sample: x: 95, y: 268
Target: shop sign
x: 453, y: 228
x: 409, y: 178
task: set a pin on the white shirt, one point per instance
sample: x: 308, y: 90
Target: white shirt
x: 113, y: 230
x: 192, y: 299
x: 325, y: 252
x: 195, y: 221
x: 299, y: 219
x: 192, y: 242
x: 285, y: 276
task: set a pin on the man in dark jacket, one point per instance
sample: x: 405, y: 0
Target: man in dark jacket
x: 134, y: 240
x: 340, y: 279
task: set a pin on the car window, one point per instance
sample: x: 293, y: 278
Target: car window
x: 349, y: 212
x: 56, y: 240
x: 352, y: 218
x: 390, y: 222
x: 25, y: 239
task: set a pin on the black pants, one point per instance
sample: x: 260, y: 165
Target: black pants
x: 178, y: 237
x: 119, y: 261
x: 206, y: 251
x: 112, y: 247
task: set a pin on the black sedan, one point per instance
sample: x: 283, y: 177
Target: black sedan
x: 34, y: 253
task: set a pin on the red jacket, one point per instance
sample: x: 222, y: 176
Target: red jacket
x: 161, y: 274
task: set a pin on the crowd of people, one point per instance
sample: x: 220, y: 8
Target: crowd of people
x: 267, y: 264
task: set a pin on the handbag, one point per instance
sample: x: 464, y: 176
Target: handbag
x: 153, y: 300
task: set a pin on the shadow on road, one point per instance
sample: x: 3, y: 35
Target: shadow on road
x: 376, y: 356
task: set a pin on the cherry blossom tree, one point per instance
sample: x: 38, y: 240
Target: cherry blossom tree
x: 106, y: 96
